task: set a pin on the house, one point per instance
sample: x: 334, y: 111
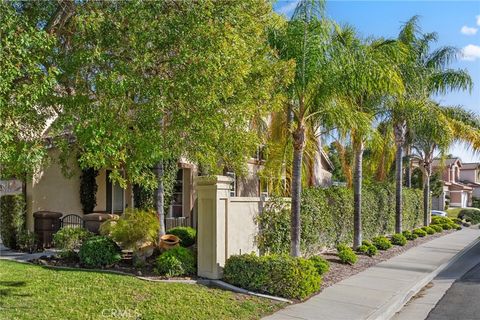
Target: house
x: 455, y: 192
x: 51, y: 190
x: 470, y: 176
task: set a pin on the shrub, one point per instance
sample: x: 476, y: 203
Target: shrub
x: 187, y: 235
x: 441, y: 220
x: 409, y: 235
x: 347, y: 255
x: 327, y: 217
x: 458, y: 227
x: 99, y: 251
x: 472, y: 215
x: 320, y: 264
x: 70, y: 239
x: 342, y: 246
x: 446, y: 226
x: 27, y: 241
x: 419, y: 232
x: 436, y: 227
x: 428, y: 230
x: 12, y: 219
x: 175, y: 262
x: 399, y: 239
x: 366, y: 243
x: 457, y: 220
x: 279, y: 275
x: 133, y: 229
x: 382, y: 243
x: 369, y: 250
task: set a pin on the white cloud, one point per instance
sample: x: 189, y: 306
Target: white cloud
x: 471, y: 52
x: 478, y: 20
x: 469, y: 31
x: 287, y: 7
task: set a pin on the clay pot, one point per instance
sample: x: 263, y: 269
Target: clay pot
x: 169, y: 241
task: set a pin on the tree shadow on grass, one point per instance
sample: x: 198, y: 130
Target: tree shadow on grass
x: 10, y: 288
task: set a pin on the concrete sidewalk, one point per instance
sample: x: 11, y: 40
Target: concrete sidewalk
x: 380, y: 291
x: 7, y: 254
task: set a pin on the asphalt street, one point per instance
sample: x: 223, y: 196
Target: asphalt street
x: 462, y: 300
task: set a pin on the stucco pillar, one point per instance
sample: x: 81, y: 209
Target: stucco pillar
x: 212, y: 196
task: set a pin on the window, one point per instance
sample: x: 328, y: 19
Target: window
x: 115, y: 196
x: 176, y: 206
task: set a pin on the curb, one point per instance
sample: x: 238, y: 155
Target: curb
x: 390, y: 308
x: 226, y: 286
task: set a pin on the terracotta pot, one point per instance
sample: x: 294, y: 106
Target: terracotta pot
x: 169, y: 241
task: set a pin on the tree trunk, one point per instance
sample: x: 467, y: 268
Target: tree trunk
x: 159, y: 200
x: 298, y: 148
x: 398, y: 189
x: 426, y: 193
x: 408, y: 170
x: 357, y: 197
x: 400, y: 130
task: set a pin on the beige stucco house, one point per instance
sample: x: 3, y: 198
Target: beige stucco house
x: 470, y: 176
x: 454, y: 189
x: 51, y: 190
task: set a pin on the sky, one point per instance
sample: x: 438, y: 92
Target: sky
x: 457, y: 23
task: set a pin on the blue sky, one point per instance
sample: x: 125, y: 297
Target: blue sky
x: 456, y: 22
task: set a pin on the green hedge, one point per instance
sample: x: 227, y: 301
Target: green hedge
x: 327, y: 217
x: 279, y: 275
x: 12, y: 219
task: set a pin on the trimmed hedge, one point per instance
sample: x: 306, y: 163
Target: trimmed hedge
x: 187, y: 235
x: 419, y: 232
x: 320, y: 264
x: 278, y: 275
x: 347, y: 255
x: 471, y: 215
x: 428, y: 230
x: 398, y: 239
x: 409, y: 235
x: 12, y: 219
x: 327, y: 217
x: 382, y: 243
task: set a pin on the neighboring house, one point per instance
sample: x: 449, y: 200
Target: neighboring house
x: 456, y: 192
x: 470, y: 175
x: 51, y: 190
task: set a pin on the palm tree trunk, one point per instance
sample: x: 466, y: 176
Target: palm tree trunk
x: 298, y: 148
x: 408, y: 170
x: 426, y: 199
x: 160, y: 200
x: 400, y: 130
x: 357, y: 197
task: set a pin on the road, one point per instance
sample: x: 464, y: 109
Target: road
x: 462, y: 300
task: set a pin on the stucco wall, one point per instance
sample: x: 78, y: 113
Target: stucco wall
x: 468, y: 175
x: 50, y: 190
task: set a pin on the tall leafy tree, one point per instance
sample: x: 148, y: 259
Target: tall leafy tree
x: 425, y: 72
x: 147, y: 83
x: 25, y: 81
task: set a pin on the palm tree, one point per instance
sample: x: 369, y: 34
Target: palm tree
x: 368, y: 76
x: 424, y: 73
x: 434, y: 132
x: 306, y: 41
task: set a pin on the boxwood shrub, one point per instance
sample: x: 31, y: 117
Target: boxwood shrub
x: 367, y: 248
x: 320, y: 264
x: 327, y: 217
x: 99, y: 251
x: 70, y: 239
x: 428, y: 230
x: 398, y: 239
x: 187, y: 235
x: 347, y: 255
x: 382, y: 243
x: 409, y: 235
x: 419, y: 232
x: 436, y: 227
x: 472, y: 215
x: 278, y: 275
x: 178, y: 261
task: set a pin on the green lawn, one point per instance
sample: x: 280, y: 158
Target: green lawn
x: 453, y: 212
x: 34, y: 292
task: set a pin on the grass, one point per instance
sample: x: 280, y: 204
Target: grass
x: 35, y: 292
x: 453, y: 212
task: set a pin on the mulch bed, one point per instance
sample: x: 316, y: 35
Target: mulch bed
x: 339, y: 271
x: 124, y: 266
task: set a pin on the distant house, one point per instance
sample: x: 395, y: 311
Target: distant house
x: 470, y: 175
x: 455, y: 192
